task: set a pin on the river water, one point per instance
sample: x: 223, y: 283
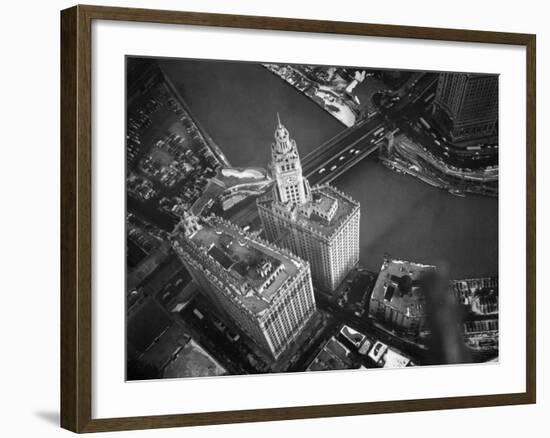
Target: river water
x: 237, y: 104
x: 409, y: 219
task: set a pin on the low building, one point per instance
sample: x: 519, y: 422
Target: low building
x: 466, y: 107
x: 399, y: 298
x: 333, y: 356
x: 482, y: 335
x: 394, y: 359
x: 485, y: 302
x: 466, y: 289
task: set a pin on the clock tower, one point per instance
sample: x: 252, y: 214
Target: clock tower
x: 290, y: 186
x: 319, y: 224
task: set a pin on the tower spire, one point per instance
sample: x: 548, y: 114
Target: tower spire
x: 279, y: 124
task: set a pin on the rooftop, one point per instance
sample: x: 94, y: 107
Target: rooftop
x: 326, y: 211
x: 399, y: 285
x: 333, y: 356
x: 257, y: 269
x: 192, y: 361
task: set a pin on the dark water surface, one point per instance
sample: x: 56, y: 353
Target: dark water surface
x: 237, y: 104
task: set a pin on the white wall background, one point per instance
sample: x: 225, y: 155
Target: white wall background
x: 29, y: 184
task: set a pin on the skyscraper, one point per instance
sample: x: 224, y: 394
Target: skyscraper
x: 286, y: 169
x: 466, y: 107
x: 266, y: 291
x: 319, y: 224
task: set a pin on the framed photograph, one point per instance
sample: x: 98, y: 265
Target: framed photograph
x: 269, y: 219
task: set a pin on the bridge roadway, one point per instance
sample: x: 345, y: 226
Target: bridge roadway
x: 350, y: 146
x: 334, y: 156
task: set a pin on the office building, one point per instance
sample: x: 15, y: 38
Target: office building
x: 264, y: 290
x: 466, y: 108
x: 319, y: 224
x: 398, y: 298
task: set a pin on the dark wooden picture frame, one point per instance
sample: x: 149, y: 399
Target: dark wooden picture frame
x: 76, y: 218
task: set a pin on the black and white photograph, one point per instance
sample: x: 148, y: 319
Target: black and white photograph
x: 285, y: 218
x: 275, y: 219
